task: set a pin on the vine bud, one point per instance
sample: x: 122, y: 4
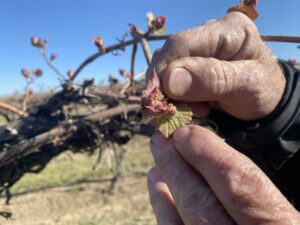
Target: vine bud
x: 29, y: 91
x: 36, y: 42
x: 25, y: 73
x: 160, y: 22
x: 37, y: 72
x: 53, y: 57
x: 98, y: 41
x: 71, y: 74
x: 122, y: 72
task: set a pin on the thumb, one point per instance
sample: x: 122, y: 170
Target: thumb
x: 238, y: 87
x: 196, y: 79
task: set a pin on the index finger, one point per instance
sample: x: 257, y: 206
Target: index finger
x: 243, y: 189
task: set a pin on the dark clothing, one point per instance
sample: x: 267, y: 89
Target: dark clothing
x: 272, y: 142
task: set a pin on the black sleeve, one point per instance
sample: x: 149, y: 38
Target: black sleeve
x: 272, y: 142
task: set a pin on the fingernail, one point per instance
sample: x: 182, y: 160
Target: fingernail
x: 181, y: 134
x: 158, y: 139
x: 180, y: 81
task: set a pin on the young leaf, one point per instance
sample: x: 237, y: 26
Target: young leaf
x: 160, y: 27
x: 248, y: 7
x: 167, y: 125
x: 150, y: 20
x: 166, y: 116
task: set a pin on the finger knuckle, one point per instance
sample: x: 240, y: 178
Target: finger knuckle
x: 250, y: 29
x: 220, y: 78
x: 238, y: 17
x: 196, y: 205
x: 164, y: 163
x: 252, y: 86
x: 156, y: 52
x: 179, y: 40
x: 244, y: 185
x: 174, y: 41
x: 192, y: 201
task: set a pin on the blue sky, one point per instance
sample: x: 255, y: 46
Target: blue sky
x: 71, y: 25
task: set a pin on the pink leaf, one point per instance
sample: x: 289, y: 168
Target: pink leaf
x: 154, y: 103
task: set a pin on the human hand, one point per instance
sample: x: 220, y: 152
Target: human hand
x: 222, y: 64
x: 199, y: 179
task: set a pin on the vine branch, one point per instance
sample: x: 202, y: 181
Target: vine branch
x: 274, y: 38
x: 26, y: 146
x: 134, y: 50
x: 112, y: 48
x: 43, y: 52
x: 12, y: 109
x: 268, y: 38
x: 146, y: 49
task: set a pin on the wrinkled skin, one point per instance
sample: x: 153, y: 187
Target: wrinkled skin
x: 198, y: 178
x: 222, y: 64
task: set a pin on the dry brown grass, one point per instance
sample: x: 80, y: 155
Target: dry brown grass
x: 85, y: 203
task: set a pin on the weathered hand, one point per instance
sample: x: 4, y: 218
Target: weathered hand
x: 199, y: 179
x: 222, y: 64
